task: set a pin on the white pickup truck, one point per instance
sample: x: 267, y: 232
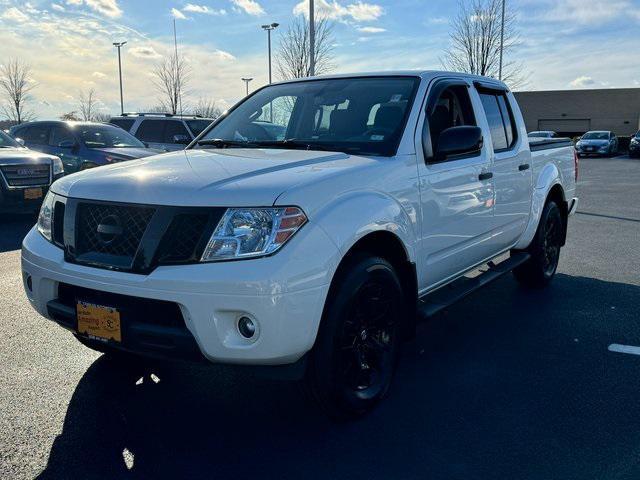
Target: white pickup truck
x: 307, y: 229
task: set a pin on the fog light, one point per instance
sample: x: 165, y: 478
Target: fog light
x: 246, y: 327
x: 29, y: 283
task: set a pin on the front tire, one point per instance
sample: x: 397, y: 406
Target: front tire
x: 539, y: 270
x: 353, y: 362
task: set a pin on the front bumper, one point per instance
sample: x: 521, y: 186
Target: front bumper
x: 284, y: 294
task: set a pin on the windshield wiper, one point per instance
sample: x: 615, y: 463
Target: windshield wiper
x: 221, y: 143
x: 290, y: 143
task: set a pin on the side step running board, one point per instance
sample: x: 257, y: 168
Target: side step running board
x: 444, y: 297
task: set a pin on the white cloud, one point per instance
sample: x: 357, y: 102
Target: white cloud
x: 582, y: 82
x: 98, y: 75
x: 587, y: 12
x: 249, y: 6
x: 177, y: 14
x: 14, y: 15
x: 193, y: 8
x: 222, y: 55
x: 359, y: 11
x: 437, y: 21
x: 144, y: 52
x: 108, y: 8
x: 372, y: 29
x: 57, y: 7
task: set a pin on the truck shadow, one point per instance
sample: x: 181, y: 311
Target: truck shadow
x: 489, y: 389
x: 13, y: 229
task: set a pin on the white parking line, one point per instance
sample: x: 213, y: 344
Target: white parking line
x: 614, y: 347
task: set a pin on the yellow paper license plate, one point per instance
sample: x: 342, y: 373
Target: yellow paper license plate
x: 98, y: 321
x: 32, y: 193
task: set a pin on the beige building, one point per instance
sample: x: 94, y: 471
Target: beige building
x: 573, y: 112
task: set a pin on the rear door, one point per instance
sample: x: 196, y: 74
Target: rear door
x: 151, y: 132
x: 511, y: 165
x: 456, y: 194
x: 35, y: 136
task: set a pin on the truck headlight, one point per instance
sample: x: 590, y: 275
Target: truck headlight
x: 252, y: 232
x: 45, y: 218
x: 58, y: 167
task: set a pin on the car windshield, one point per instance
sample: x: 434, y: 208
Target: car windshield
x: 197, y: 126
x: 596, y: 136
x: 106, y: 136
x: 539, y: 134
x: 7, y: 142
x: 353, y: 115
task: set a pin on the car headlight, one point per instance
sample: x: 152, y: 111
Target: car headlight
x: 58, y: 167
x: 252, y: 232
x: 45, y: 218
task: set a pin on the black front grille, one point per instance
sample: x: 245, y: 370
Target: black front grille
x: 132, y: 238
x: 126, y: 226
x: 27, y: 175
x: 184, y: 236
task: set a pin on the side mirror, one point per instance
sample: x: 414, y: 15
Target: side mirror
x: 67, y: 144
x: 181, y: 139
x: 20, y: 141
x: 458, y: 141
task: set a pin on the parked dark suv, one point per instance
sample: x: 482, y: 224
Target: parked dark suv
x: 82, y: 145
x: 164, y: 131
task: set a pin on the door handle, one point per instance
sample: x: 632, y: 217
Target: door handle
x: 523, y: 167
x: 485, y: 176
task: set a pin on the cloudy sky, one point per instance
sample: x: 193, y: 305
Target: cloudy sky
x: 565, y: 43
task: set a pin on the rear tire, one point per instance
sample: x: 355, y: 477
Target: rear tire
x: 353, y: 361
x: 539, y: 270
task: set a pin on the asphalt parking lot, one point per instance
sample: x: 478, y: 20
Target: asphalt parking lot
x: 508, y: 383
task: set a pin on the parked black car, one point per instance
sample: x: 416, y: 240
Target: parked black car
x: 634, y: 146
x: 82, y: 145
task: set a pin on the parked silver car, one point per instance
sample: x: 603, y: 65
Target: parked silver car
x: 162, y: 130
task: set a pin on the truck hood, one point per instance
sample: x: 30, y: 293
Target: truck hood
x: 229, y: 177
x: 129, y: 153
x: 15, y: 156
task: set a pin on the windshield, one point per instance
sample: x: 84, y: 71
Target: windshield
x: 7, y: 142
x: 106, y: 136
x: 354, y: 115
x: 596, y: 136
x: 539, y: 134
x: 197, y: 126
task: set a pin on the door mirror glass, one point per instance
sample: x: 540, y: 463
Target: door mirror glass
x: 455, y: 141
x: 181, y: 139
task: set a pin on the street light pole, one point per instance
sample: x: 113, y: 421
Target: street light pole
x: 501, y: 40
x: 246, y: 82
x: 119, y: 45
x: 312, y: 39
x: 268, y: 28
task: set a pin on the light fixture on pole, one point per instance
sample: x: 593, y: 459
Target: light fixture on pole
x: 119, y: 45
x: 268, y: 28
x: 312, y: 39
x: 501, y: 40
x: 246, y: 81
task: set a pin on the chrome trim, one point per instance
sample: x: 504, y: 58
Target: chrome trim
x: 23, y: 187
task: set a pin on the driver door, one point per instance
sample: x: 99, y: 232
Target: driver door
x: 63, y: 144
x: 456, y: 193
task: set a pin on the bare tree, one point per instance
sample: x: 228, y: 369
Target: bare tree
x: 70, y: 116
x: 475, y: 41
x: 292, y: 56
x: 15, y: 87
x: 103, y: 117
x: 171, y: 77
x: 87, y: 105
x: 206, y: 107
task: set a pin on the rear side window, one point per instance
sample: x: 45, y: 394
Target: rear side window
x: 59, y: 135
x: 36, y: 134
x: 500, y: 120
x: 123, y: 123
x: 173, y: 128
x: 151, y: 131
x: 197, y: 126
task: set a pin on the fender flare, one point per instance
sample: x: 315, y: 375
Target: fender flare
x: 355, y: 214
x: 548, y: 178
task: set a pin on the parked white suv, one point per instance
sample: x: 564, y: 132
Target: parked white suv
x: 314, y: 252
x: 162, y: 130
